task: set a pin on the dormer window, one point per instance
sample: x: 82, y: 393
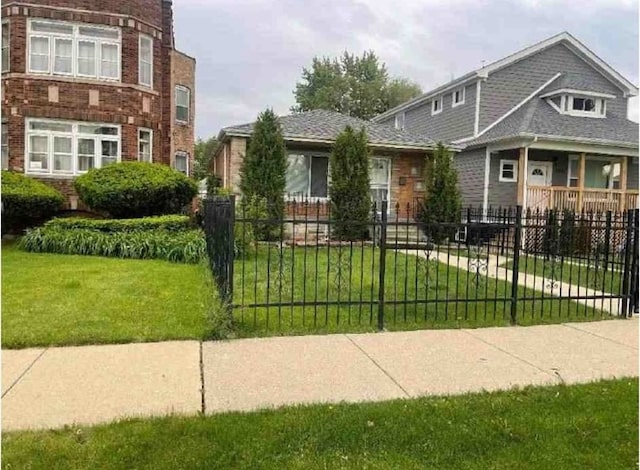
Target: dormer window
x: 436, y: 106
x: 579, y: 103
x: 399, y: 122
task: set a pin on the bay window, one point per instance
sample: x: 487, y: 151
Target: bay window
x: 60, y: 48
x: 70, y: 148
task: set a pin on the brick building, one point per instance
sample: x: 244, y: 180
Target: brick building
x: 88, y: 83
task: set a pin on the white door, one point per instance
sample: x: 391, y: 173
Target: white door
x: 539, y: 173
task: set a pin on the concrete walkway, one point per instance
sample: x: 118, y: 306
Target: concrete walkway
x: 53, y: 387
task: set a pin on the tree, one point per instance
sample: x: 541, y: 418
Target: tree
x: 349, y: 186
x: 203, y: 153
x: 442, y: 202
x: 263, y: 171
x: 356, y: 86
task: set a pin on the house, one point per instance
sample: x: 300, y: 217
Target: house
x: 86, y: 84
x: 545, y: 127
x: 397, y: 157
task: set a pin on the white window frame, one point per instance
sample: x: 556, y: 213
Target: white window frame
x: 150, y: 131
x: 75, y: 135
x: 462, y: 92
x: 504, y: 162
x: 4, y: 145
x: 566, y: 106
x: 307, y: 194
x: 184, y: 154
x: 76, y: 37
x: 610, y: 161
x: 433, y: 105
x: 400, y: 121
x: 387, y: 185
x: 144, y: 37
x: 188, y: 90
x: 6, y: 48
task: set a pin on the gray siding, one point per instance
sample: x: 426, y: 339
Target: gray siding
x: 450, y: 124
x: 502, y: 194
x: 632, y: 174
x: 470, y: 167
x: 507, y: 87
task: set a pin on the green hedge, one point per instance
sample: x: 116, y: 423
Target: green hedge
x: 170, y: 223
x: 180, y: 247
x: 135, y: 189
x: 26, y: 202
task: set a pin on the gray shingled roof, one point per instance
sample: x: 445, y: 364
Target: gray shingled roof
x: 325, y: 125
x: 577, y: 81
x: 537, y: 117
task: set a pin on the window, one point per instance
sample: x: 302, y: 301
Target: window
x: 379, y: 172
x: 436, y: 106
x: 182, y: 103
x: 508, y: 171
x: 585, y: 106
x: 145, y: 144
x: 399, y: 123
x: 5, y: 146
x: 182, y: 162
x: 599, y: 173
x: 145, y: 61
x: 70, y: 148
x: 457, y: 97
x: 5, y: 46
x: 308, y: 176
x: 60, y: 48
x: 572, y: 177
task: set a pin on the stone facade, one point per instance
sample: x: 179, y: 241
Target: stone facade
x: 123, y: 101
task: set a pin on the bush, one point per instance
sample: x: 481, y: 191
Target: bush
x: 135, y: 189
x: 349, y: 188
x: 26, y: 202
x: 170, y: 223
x: 179, y: 247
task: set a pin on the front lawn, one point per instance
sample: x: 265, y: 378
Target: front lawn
x: 590, y: 426
x: 50, y: 299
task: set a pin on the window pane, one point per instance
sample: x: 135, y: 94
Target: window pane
x: 86, y: 154
x: 38, y: 152
x: 145, y: 49
x: 98, y: 32
x: 298, y: 175
x: 50, y: 126
x: 379, y: 173
x: 109, y: 152
x: 62, y: 154
x: 86, y: 58
x: 39, y: 54
x: 182, y: 96
x: 109, y: 64
x: 51, y: 27
x: 5, y: 146
x: 63, y: 56
x: 145, y: 74
x: 5, y: 47
x: 144, y: 146
x: 589, y: 105
x: 181, y: 162
x: 319, y: 176
x: 100, y: 130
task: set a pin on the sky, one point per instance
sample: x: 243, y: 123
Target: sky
x: 250, y: 53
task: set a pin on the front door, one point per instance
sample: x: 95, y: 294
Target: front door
x: 539, y: 173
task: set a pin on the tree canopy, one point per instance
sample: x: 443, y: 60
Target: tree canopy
x: 203, y: 153
x: 352, y: 85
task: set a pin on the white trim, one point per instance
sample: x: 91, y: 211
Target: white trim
x: 439, y: 100
x: 501, y: 178
x: 141, y: 38
x: 572, y: 91
x: 188, y: 91
x: 476, y: 122
x: 453, y: 96
x: 150, y: 131
x: 487, y: 175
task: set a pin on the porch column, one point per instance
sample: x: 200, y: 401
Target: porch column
x: 583, y: 158
x: 623, y: 183
x: 521, y: 174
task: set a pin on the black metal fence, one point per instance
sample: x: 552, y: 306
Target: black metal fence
x: 493, y: 267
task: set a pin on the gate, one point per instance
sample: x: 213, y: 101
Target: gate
x: 494, y: 267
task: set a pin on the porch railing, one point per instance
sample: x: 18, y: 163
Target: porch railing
x: 587, y: 199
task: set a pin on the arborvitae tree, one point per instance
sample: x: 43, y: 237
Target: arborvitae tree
x: 442, y: 202
x: 263, y: 172
x: 349, y: 186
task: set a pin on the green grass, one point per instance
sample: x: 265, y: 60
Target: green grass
x: 50, y: 299
x: 317, y: 276
x: 590, y: 426
x: 571, y: 272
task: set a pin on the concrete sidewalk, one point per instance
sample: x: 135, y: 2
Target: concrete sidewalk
x: 48, y: 388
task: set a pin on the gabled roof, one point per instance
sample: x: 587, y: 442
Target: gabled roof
x: 323, y: 126
x: 537, y: 117
x: 565, y: 38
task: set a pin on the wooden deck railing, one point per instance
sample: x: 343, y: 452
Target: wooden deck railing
x: 588, y: 199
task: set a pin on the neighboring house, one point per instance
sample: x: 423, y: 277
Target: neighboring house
x: 86, y: 84
x: 397, y: 157
x: 545, y: 127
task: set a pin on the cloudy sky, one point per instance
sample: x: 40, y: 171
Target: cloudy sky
x: 250, y: 53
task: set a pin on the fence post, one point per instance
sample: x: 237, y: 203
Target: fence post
x: 626, y: 296
x: 607, y: 243
x: 516, y: 264
x: 219, y: 219
x: 383, y: 248
x: 635, y: 280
